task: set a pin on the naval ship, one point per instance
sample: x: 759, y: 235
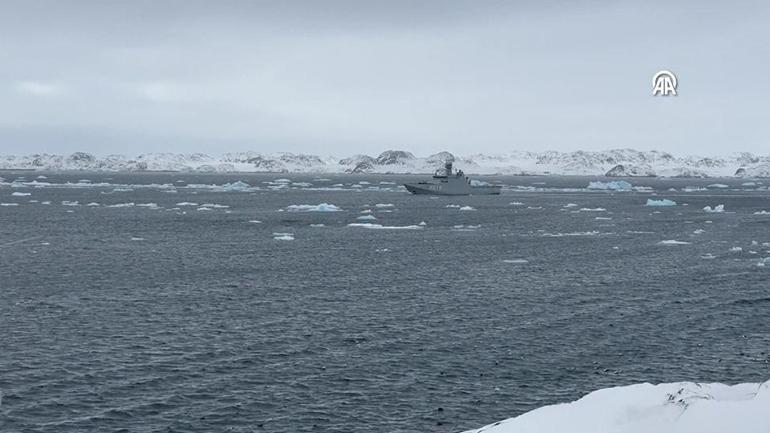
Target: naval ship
x: 451, y: 183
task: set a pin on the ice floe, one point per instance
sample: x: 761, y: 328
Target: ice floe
x: 662, y: 202
x: 367, y: 217
x: 718, y: 186
x: 70, y: 203
x: 20, y: 194
x: 467, y: 208
x: 716, y: 209
x: 382, y: 227
x: 121, y: 205
x: 187, y: 203
x: 615, y: 185
x: 322, y: 207
x: 682, y: 407
x: 596, y: 209
x: 673, y: 242
x: 283, y: 236
x: 8, y: 204
x: 762, y: 212
x: 516, y: 261
x: 384, y: 205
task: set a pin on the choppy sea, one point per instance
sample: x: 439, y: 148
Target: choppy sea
x: 173, y: 302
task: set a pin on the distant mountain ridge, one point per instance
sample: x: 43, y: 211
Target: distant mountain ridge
x: 615, y: 162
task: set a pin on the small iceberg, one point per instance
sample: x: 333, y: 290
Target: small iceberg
x: 467, y: 208
x: 615, y: 185
x: 322, y: 207
x: 20, y: 194
x: 716, y: 209
x: 236, y: 186
x: 283, y: 236
x: 663, y: 202
x: 673, y: 242
x: 367, y: 217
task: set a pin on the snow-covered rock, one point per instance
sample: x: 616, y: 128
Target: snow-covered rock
x: 612, y: 163
x: 683, y: 407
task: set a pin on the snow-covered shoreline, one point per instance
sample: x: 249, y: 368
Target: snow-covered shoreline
x: 613, y: 163
x: 683, y: 407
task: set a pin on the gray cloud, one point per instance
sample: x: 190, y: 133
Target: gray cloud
x: 346, y: 77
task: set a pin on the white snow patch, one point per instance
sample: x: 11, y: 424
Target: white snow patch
x: 682, y: 407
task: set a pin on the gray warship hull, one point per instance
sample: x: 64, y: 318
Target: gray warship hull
x: 447, y: 182
x: 429, y: 188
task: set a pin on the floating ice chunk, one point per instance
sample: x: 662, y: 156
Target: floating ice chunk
x: 663, y: 202
x: 708, y: 256
x: 70, y: 203
x: 187, y: 203
x: 204, y: 208
x: 762, y: 212
x: 453, y: 206
x: 422, y: 223
x: 597, y: 209
x: 255, y: 221
x: 382, y: 227
x: 137, y: 239
x: 93, y: 203
x: 571, y: 205
x: 123, y: 205
x: 215, y: 206
x: 516, y: 261
x: 236, y: 186
x: 322, y: 207
x: 467, y: 208
x: 122, y: 189
x: 45, y: 202
x: 283, y: 236
x: 535, y: 207
x: 716, y: 209
x: 9, y: 204
x: 317, y: 225
x: 699, y: 231
x: 717, y: 185
x: 384, y: 205
x: 682, y: 407
x: 20, y: 194
x: 560, y: 235
x: 367, y: 217
x: 282, y: 180
x: 736, y: 249
x: 615, y: 185
x: 366, y: 211
x: 763, y: 262
x: 673, y: 242
x: 469, y: 227
x: 148, y: 205
x: 749, y: 184
x: 603, y: 218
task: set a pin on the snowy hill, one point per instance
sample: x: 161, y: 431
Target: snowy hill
x: 616, y: 162
x: 673, y: 407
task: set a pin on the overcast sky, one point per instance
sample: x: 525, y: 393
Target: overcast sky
x: 344, y: 77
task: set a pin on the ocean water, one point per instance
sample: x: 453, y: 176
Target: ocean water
x: 171, y: 318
